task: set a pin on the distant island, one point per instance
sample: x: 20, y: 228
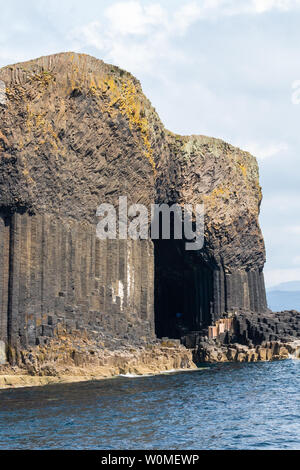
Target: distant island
x: 284, y: 296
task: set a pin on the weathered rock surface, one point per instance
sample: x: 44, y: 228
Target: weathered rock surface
x: 254, y: 337
x: 257, y: 329
x: 76, y: 132
x: 82, y: 357
x: 215, y: 351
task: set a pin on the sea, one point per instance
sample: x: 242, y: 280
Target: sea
x: 222, y: 406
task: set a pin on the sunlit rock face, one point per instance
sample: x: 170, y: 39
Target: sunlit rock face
x: 74, y: 133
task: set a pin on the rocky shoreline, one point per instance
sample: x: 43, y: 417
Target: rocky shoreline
x: 215, y: 351
x: 65, y: 359
x: 248, y: 337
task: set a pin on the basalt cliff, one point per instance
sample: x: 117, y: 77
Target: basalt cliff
x: 74, y: 133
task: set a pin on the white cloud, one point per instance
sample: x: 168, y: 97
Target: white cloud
x: 136, y: 35
x: 185, y: 16
x: 237, y: 7
x: 132, y: 18
x: 90, y: 34
x: 296, y: 261
x: 277, y: 276
x: 283, y: 203
x: 263, y: 151
x: 293, y: 229
x: 262, y: 6
x: 212, y: 8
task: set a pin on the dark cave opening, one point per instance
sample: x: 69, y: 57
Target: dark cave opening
x: 183, y: 296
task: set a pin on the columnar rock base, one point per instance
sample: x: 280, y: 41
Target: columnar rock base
x: 57, y: 275
x: 84, y: 356
x: 253, y: 337
x: 76, y: 133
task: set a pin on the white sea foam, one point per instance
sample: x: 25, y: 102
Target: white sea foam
x: 162, y: 372
x: 135, y: 376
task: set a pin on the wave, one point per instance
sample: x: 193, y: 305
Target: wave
x: 162, y: 372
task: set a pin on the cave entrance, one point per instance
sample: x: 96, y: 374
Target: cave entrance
x: 183, y: 290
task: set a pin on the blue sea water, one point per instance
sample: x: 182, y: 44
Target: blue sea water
x: 229, y: 406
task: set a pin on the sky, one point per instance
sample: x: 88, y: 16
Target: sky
x: 223, y: 68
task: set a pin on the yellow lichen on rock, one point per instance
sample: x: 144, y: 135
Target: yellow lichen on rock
x: 124, y: 96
